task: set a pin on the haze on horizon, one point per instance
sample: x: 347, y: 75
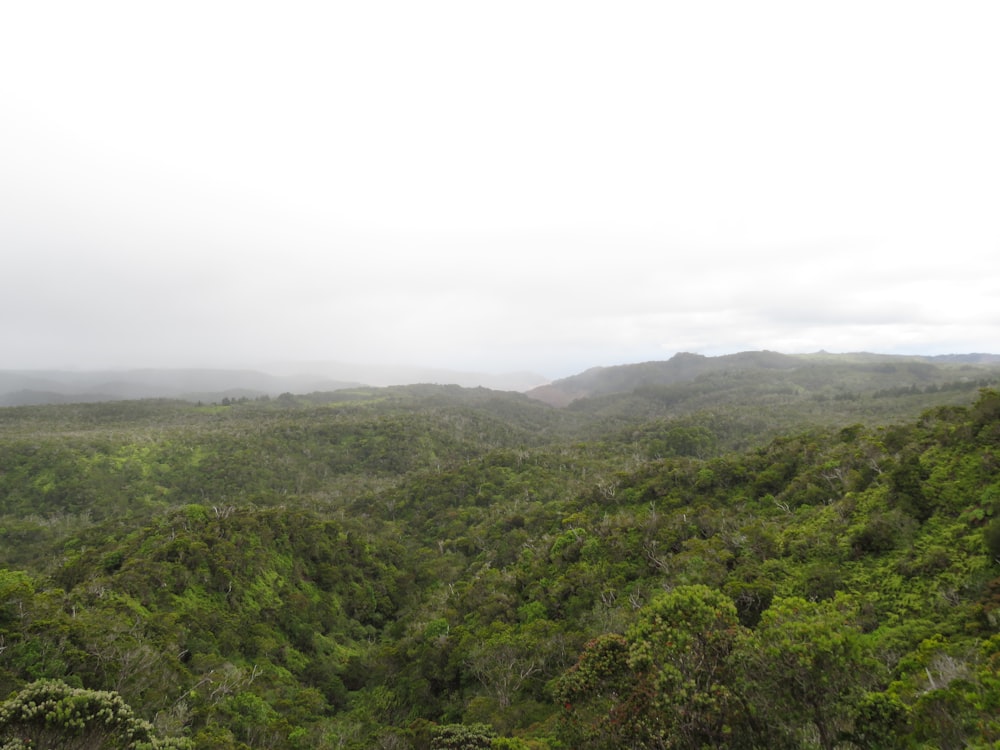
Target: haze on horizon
x: 541, y: 186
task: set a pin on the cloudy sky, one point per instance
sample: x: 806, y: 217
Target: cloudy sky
x: 495, y: 186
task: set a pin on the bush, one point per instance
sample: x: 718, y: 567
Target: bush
x: 50, y: 713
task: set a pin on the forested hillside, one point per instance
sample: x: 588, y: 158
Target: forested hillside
x: 847, y: 377
x: 785, y: 563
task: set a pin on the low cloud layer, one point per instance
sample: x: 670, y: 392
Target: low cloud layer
x: 527, y: 186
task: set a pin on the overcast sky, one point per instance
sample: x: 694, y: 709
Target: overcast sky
x: 495, y: 186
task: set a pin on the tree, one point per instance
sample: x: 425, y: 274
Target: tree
x: 50, y: 714
x: 503, y: 662
x: 594, y: 692
x: 462, y: 737
x: 681, y: 649
x: 806, y: 667
x: 880, y: 722
x: 666, y: 684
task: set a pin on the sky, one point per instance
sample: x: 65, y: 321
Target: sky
x: 543, y: 186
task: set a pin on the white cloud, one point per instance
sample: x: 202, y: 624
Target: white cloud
x: 547, y: 185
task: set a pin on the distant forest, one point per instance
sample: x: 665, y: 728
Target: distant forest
x: 758, y: 551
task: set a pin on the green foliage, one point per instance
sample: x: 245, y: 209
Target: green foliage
x: 881, y: 722
x: 49, y: 713
x: 593, y: 692
x: 952, y: 691
x: 807, y: 667
x: 991, y: 535
x: 357, y: 570
x: 668, y: 681
x: 681, y: 648
x: 462, y: 737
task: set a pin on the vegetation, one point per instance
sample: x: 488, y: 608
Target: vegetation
x: 435, y: 567
x: 49, y: 713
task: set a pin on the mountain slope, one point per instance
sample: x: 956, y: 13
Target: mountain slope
x: 861, y: 372
x: 378, y: 567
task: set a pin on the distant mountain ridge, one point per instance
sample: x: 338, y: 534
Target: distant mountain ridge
x: 686, y: 367
x: 35, y: 387
x: 972, y: 359
x: 30, y: 387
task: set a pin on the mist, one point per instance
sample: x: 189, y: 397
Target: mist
x: 525, y: 188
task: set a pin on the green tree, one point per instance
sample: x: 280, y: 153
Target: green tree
x: 594, y: 693
x: 880, y: 722
x: 667, y: 684
x: 50, y: 714
x: 462, y: 737
x: 806, y: 668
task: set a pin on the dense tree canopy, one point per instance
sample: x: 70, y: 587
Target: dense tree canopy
x: 438, y: 567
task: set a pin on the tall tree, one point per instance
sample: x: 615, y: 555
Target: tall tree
x: 806, y: 668
x: 51, y: 714
x: 667, y: 684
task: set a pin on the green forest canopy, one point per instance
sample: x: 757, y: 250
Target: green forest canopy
x: 435, y: 567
